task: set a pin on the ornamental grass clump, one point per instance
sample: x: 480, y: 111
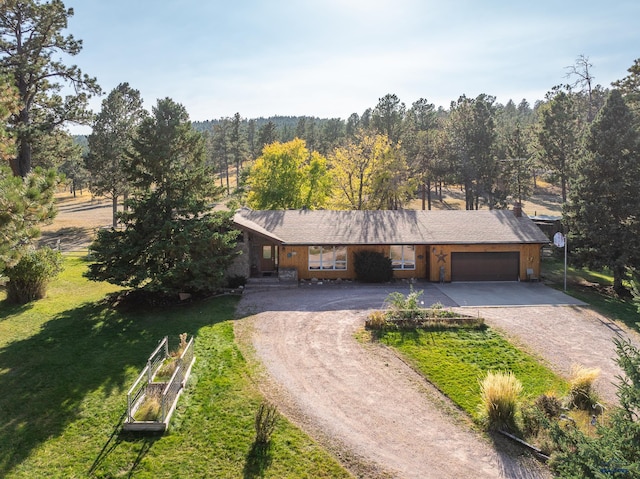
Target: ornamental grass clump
x: 166, y: 370
x: 499, y: 392
x: 170, y: 363
x: 582, y: 394
x: 182, y: 346
x: 376, y: 320
x: 149, y: 410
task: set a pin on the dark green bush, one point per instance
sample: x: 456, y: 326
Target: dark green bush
x: 236, y: 281
x: 534, y: 420
x: 372, y: 267
x: 550, y: 405
x: 29, y: 278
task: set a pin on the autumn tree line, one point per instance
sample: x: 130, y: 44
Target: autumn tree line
x: 494, y: 152
x: 581, y: 136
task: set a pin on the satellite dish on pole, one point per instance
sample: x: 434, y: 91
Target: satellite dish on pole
x: 558, y: 240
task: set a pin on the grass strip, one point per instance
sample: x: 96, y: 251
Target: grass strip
x: 456, y: 360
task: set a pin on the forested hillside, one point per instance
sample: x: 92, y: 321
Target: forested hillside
x: 393, y: 153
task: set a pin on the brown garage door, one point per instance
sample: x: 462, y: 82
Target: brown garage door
x: 485, y: 266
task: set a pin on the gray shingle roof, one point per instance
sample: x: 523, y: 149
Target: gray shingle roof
x: 324, y: 227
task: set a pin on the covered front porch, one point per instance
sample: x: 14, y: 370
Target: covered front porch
x: 264, y: 259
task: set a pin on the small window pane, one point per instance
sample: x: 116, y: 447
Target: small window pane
x: 315, y: 256
x: 341, y: 258
x: 395, y: 252
x: 403, y: 256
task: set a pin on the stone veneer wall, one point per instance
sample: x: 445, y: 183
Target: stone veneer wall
x: 241, y: 264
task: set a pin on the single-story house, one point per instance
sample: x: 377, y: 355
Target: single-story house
x: 452, y: 245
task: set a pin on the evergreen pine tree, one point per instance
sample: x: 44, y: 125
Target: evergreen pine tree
x: 171, y: 241
x: 602, y: 214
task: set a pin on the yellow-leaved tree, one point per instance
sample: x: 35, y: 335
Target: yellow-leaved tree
x: 289, y: 176
x: 370, y: 174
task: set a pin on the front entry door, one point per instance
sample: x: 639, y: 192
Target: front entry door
x: 268, y: 259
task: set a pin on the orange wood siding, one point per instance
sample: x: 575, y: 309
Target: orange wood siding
x: 298, y: 257
x: 440, y: 255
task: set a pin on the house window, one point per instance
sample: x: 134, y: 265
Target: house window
x: 403, y: 256
x: 327, y: 257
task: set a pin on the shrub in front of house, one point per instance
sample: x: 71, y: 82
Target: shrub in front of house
x: 236, y: 281
x: 372, y: 267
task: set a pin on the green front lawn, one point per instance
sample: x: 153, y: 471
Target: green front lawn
x: 66, y: 363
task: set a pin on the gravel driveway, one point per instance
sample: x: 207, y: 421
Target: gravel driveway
x: 371, y: 409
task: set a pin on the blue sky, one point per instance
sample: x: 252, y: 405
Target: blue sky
x: 331, y: 58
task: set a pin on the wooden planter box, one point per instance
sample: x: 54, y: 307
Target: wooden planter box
x: 164, y: 394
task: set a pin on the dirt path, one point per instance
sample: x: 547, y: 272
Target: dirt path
x: 77, y: 221
x: 360, y: 397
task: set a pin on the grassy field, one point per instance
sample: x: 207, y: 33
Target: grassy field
x: 594, y: 288
x: 67, y: 361
x: 456, y: 360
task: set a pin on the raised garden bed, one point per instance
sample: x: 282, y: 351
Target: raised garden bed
x: 384, y: 322
x: 405, y: 312
x: 154, y: 395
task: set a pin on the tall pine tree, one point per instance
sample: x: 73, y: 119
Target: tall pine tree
x: 557, y: 135
x: 602, y: 214
x: 31, y: 41
x: 113, y: 131
x: 171, y: 242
